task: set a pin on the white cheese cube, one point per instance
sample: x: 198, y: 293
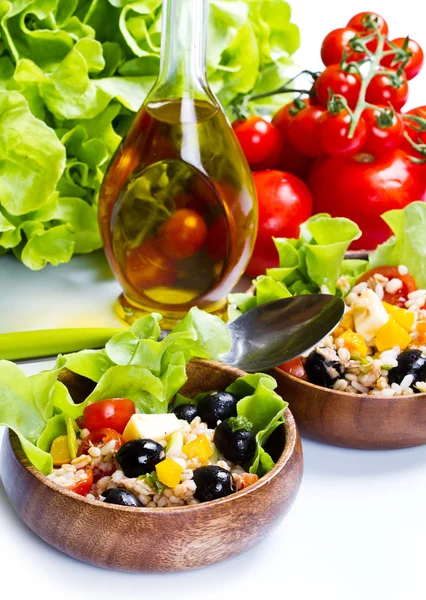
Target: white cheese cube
x: 369, y: 315
x: 152, y: 427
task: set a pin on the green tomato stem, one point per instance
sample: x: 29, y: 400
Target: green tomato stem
x: 365, y: 82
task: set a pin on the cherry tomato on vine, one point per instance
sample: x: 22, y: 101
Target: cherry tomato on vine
x: 284, y: 204
x: 333, y: 132
x: 415, y: 62
x: 384, y: 130
x: 291, y: 160
x: 419, y: 137
x: 294, y: 367
x: 260, y: 140
x: 113, y: 413
x: 82, y: 487
x: 400, y: 296
x: 340, y: 82
x: 183, y: 235
x: 303, y: 131
x: 362, y: 188
x: 381, y: 91
x: 104, y: 435
x: 358, y: 22
x: 284, y: 116
x: 336, y: 43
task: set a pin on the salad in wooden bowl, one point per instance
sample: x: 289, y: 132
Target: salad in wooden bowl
x: 164, y: 459
x: 364, y: 386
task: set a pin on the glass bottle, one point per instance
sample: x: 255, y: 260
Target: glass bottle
x: 178, y: 210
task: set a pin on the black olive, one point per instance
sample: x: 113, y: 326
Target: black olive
x: 321, y: 371
x: 236, y: 440
x: 217, y: 406
x: 139, y: 457
x: 187, y: 412
x: 121, y: 497
x: 212, y: 483
x: 410, y: 362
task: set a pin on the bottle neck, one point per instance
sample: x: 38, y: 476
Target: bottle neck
x: 183, y: 49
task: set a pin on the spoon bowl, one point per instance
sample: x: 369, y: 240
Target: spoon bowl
x: 279, y: 331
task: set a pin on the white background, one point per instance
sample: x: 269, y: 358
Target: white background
x: 358, y: 527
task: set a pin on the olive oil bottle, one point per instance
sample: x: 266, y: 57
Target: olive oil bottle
x: 178, y: 212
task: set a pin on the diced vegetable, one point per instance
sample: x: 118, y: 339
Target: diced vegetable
x: 199, y: 448
x: 60, y: 451
x: 175, y: 443
x: 169, y: 472
x: 402, y: 316
x: 390, y: 335
x: 72, y: 436
x: 354, y: 342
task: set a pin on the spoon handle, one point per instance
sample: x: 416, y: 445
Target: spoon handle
x: 27, y: 345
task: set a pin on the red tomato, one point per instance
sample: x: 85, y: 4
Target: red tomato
x: 303, y: 131
x: 363, y: 187
x: 147, y: 267
x: 340, y: 82
x: 284, y: 203
x: 414, y: 63
x: 384, y: 131
x: 399, y: 297
x: 82, y: 488
x: 114, y: 414
x: 286, y: 114
x: 294, y: 367
x: 358, y: 22
x: 336, y: 43
x: 291, y: 160
x: 333, y: 131
x: 260, y: 140
x: 381, y: 91
x: 183, y: 235
x: 419, y: 137
x: 103, y: 436
x: 294, y: 162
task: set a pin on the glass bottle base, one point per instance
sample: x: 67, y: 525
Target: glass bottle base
x: 128, y: 312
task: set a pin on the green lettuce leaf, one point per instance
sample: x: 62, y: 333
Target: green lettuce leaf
x: 31, y: 157
x: 72, y: 75
x: 407, y: 246
x: 308, y: 265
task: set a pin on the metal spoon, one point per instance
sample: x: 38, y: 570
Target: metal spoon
x: 262, y: 338
x: 279, y: 331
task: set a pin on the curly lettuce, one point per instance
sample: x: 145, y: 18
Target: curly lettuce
x: 72, y: 73
x: 311, y: 264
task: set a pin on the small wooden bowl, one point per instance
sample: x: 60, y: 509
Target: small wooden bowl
x: 354, y: 420
x: 158, y: 539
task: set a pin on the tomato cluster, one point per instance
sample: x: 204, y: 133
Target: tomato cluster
x: 347, y: 138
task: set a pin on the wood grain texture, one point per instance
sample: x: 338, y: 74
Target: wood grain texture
x: 352, y: 420
x: 160, y: 539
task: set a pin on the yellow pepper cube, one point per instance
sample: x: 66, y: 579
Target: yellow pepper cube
x: 390, y: 335
x: 199, y: 448
x: 169, y: 472
x: 402, y: 316
x: 346, y: 323
x: 60, y: 451
x: 354, y: 342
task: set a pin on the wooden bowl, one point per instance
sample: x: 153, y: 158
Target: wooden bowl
x: 354, y: 420
x: 158, y: 539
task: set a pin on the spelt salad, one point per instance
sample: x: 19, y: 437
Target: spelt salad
x: 379, y: 347
x: 134, y: 440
